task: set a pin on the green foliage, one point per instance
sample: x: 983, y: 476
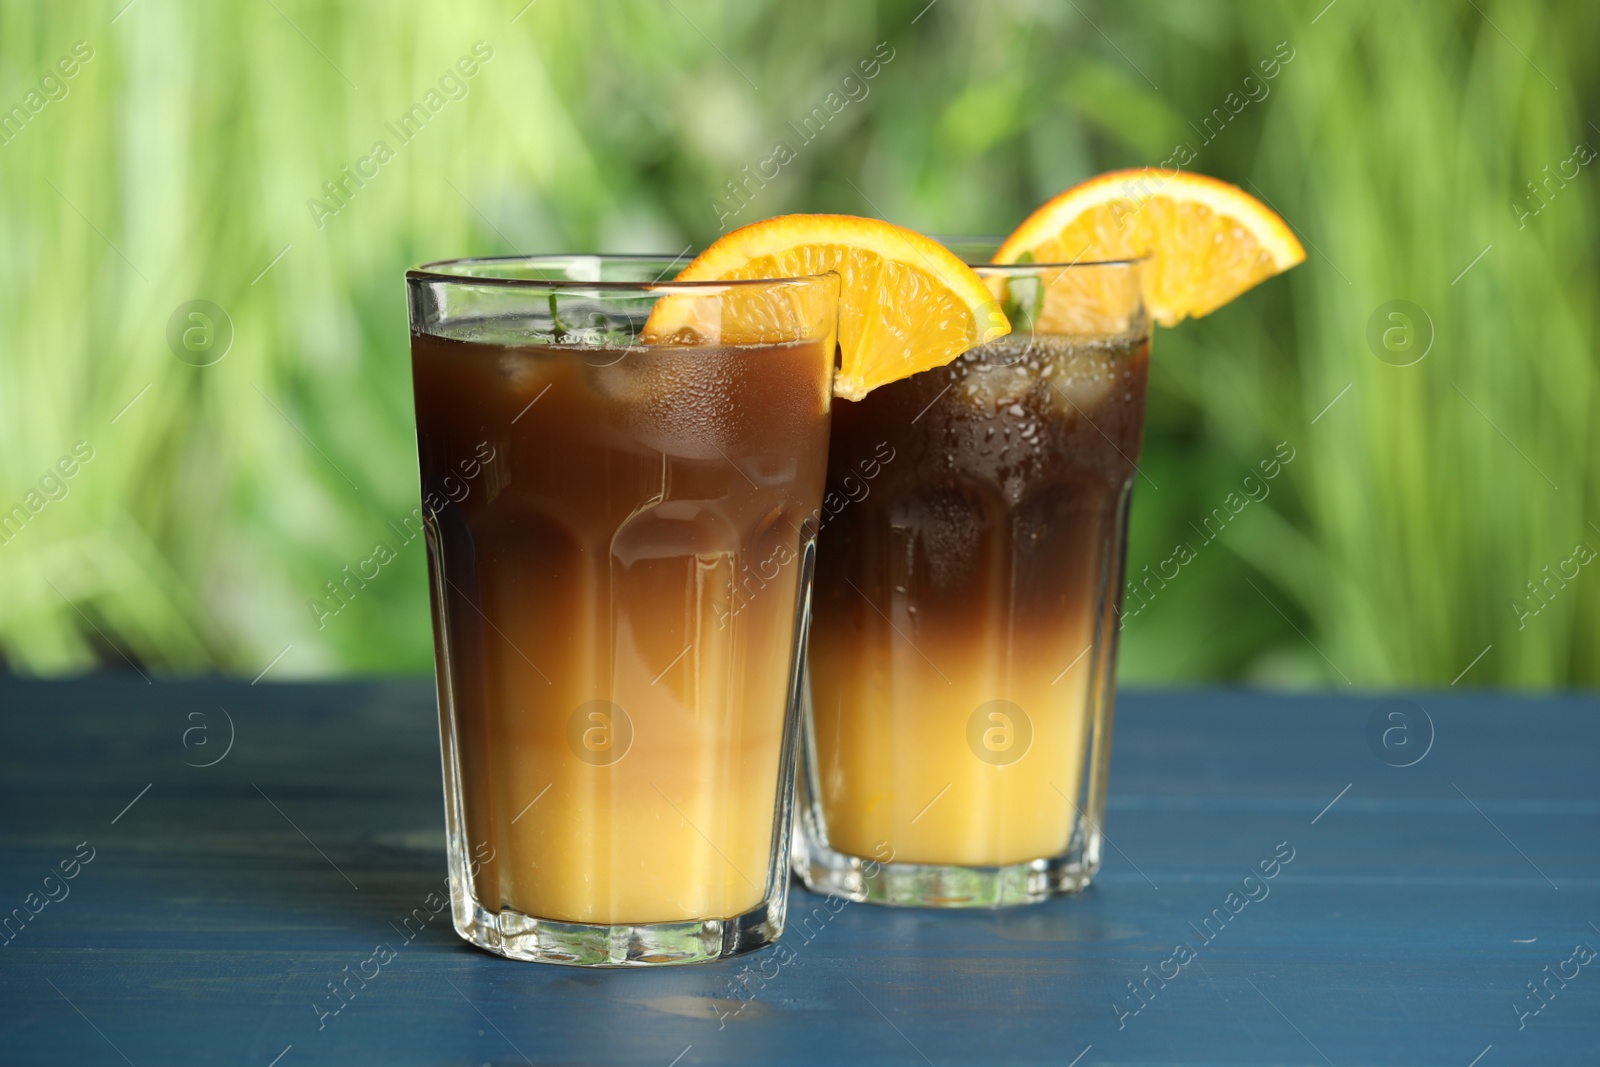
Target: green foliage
x: 179, y: 163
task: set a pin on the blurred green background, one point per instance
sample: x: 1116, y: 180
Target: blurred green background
x: 1406, y: 543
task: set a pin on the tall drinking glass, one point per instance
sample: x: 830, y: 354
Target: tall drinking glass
x: 968, y: 579
x: 620, y: 481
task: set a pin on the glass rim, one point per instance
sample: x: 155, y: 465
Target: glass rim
x: 991, y: 241
x: 430, y: 272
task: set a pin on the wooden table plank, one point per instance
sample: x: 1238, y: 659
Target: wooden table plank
x: 219, y: 905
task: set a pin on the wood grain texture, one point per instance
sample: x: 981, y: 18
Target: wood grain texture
x: 210, y: 922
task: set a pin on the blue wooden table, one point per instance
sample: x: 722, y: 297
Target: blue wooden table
x: 1434, y: 899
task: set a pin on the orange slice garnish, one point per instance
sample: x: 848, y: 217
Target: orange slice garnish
x: 1207, y: 241
x: 906, y: 303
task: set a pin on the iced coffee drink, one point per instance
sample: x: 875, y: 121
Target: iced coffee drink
x: 619, y: 536
x: 966, y: 600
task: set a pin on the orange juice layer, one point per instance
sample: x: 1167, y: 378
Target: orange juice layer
x: 619, y: 588
x: 958, y: 590
x: 971, y: 764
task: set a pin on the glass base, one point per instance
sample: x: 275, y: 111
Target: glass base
x: 935, y: 885
x: 521, y: 937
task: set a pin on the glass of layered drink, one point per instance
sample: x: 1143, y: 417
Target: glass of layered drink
x: 621, y: 489
x: 965, y: 608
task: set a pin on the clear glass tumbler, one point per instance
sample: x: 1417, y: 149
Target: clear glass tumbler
x: 968, y: 579
x: 621, y: 480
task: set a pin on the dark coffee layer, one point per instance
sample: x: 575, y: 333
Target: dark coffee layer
x: 1008, y: 465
